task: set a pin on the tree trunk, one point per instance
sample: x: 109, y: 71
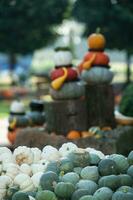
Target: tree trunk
x: 128, y: 71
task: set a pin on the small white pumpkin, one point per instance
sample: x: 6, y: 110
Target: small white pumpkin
x: 5, y: 150
x: 5, y: 182
x: 24, y: 182
x: 38, y: 168
x: 23, y: 154
x: 97, y: 75
x: 50, y: 153
x: 36, y: 179
x: 37, y: 154
x: 17, y: 107
x: 26, y: 169
x: 66, y: 148
x: 94, y: 151
x: 12, y: 170
x: 7, y: 157
x: 62, y: 58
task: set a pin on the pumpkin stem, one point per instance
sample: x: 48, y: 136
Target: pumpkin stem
x: 98, y: 30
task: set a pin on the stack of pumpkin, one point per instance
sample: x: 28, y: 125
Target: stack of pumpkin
x: 95, y: 66
x: 19, y: 118
x: 68, y: 173
x: 65, y: 84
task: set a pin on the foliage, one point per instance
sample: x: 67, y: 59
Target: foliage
x: 28, y: 25
x: 126, y: 104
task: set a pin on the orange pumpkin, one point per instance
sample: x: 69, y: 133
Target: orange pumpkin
x: 96, y: 41
x: 73, y: 135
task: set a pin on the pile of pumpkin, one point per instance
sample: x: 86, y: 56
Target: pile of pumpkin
x: 68, y: 173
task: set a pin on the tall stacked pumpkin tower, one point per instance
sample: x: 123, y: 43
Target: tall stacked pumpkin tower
x: 67, y: 110
x: 95, y: 71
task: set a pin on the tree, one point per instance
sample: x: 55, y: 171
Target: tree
x: 28, y: 25
x: 115, y: 19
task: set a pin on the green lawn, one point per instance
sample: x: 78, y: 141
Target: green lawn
x: 4, y: 108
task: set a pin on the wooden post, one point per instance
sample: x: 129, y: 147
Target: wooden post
x: 66, y: 115
x: 100, y: 105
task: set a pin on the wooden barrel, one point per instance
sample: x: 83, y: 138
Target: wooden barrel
x: 65, y: 115
x: 100, y: 105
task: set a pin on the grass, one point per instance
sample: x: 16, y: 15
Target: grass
x: 4, y: 108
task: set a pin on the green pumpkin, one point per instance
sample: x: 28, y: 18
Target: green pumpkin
x: 66, y: 165
x: 103, y: 193
x: 79, y: 193
x: 32, y: 194
x: 89, y: 185
x: 87, y: 197
x: 121, y: 162
x: 48, y: 180
x: 45, y: 195
x: 70, y: 177
x: 130, y: 158
x: 122, y: 196
x: 79, y: 159
x: 130, y: 171
x: 94, y: 159
x: 125, y: 179
x: 77, y: 170
x: 111, y: 181
x: 90, y: 173
x: 125, y: 189
x: 53, y: 166
x: 20, y: 196
x: 11, y: 191
x: 69, y: 90
x: 107, y: 167
x: 64, y: 190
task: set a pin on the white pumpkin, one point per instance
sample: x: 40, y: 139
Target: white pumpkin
x: 50, y: 153
x: 36, y: 179
x: 37, y: 154
x: 17, y: 107
x: 31, y: 198
x: 5, y: 182
x: 66, y: 148
x: 24, y: 182
x: 26, y: 169
x: 5, y: 150
x: 97, y: 75
x: 23, y: 154
x: 12, y: 170
x: 62, y: 58
x: 38, y: 168
x: 94, y: 151
x: 6, y: 157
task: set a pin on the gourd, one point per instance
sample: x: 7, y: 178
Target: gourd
x: 97, y: 75
x: 73, y: 135
x: 12, y: 170
x: 20, y: 196
x: 35, y: 168
x: 79, y: 159
x: 67, y: 148
x: 36, y: 179
x: 103, y: 193
x: 89, y: 185
x: 121, y: 162
x: 111, y: 181
x: 96, y: 41
x: 48, y: 180
x: 45, y: 195
x: 122, y: 196
x: 107, y: 167
x: 94, y: 151
x: 130, y: 171
x: 26, y: 169
x: 70, y: 177
x: 77, y: 170
x: 36, y: 154
x: 64, y: 190
x: 94, y: 159
x: 125, y: 189
x: 90, y: 173
x: 79, y: 193
x: 130, y: 158
x: 50, y: 153
x: 125, y: 179
x: 53, y: 166
x: 5, y: 182
x: 68, y: 90
x: 66, y: 165
x: 87, y: 197
x: 24, y: 182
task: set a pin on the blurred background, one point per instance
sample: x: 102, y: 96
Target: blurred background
x: 30, y: 30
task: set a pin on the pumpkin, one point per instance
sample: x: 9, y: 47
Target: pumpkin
x: 122, y: 196
x: 67, y: 148
x: 121, y: 162
x: 111, y: 181
x: 12, y: 170
x: 66, y: 165
x: 45, y: 195
x: 125, y: 189
x: 53, y: 166
x: 87, y: 197
x: 11, y: 191
x: 79, y: 193
x: 125, y: 179
x: 64, y: 190
x: 103, y: 193
x: 26, y: 169
x: 97, y: 75
x: 20, y: 196
x: 130, y: 171
x: 36, y: 179
x: 90, y: 173
x: 70, y: 177
x: 89, y: 185
x: 38, y: 167
x: 17, y: 107
x: 77, y: 170
x: 50, y: 153
x: 107, y: 167
x: 69, y: 90
x: 96, y: 41
x: 71, y: 74
x: 5, y: 182
x: 130, y: 158
x: 62, y: 58
x: 73, y: 135
x: 48, y: 180
x: 94, y: 159
x: 36, y: 154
